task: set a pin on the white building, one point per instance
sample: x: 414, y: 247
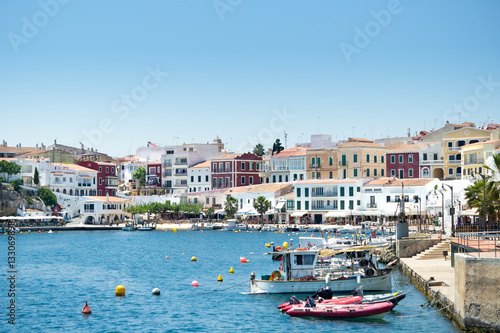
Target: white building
x: 150, y: 152
x: 127, y: 169
x: 199, y: 177
x: 289, y: 165
x: 103, y: 210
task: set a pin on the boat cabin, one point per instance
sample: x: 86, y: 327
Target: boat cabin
x: 296, y: 264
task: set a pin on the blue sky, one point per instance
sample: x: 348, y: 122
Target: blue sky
x: 246, y: 71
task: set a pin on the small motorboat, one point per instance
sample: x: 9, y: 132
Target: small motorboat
x: 339, y: 311
x: 339, y: 301
x: 129, y: 228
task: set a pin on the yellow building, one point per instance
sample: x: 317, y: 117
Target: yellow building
x: 475, y: 155
x: 321, y: 163
x: 453, y: 142
x: 358, y: 158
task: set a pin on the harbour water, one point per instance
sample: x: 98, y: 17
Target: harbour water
x: 56, y: 273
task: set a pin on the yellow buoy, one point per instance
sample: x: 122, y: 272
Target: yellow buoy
x: 193, y: 258
x: 174, y: 230
x: 231, y: 270
x: 120, y: 290
x: 285, y: 245
x: 219, y: 279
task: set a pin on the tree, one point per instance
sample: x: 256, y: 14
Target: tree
x: 261, y: 205
x: 210, y: 212
x: 48, y: 198
x: 36, y: 177
x: 259, y: 150
x: 230, y: 206
x: 140, y: 175
x: 9, y: 169
x: 277, y: 147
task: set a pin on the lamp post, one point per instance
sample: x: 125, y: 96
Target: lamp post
x: 452, y: 209
x: 442, y: 209
x: 484, y: 194
x: 417, y: 198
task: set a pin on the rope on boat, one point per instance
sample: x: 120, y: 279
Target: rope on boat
x: 214, y: 291
x: 421, y: 314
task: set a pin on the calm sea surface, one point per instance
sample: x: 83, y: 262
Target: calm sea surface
x: 57, y: 273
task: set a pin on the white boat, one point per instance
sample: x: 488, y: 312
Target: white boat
x: 299, y: 273
x: 203, y: 226
x: 232, y: 225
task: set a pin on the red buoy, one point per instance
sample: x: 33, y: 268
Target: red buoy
x: 86, y: 309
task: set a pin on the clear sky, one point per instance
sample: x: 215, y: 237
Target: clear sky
x: 116, y: 74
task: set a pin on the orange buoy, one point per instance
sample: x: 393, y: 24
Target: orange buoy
x: 243, y: 260
x: 86, y: 309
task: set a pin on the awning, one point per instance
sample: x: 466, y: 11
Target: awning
x: 280, y: 205
x: 219, y: 211
x: 367, y: 212
x: 335, y: 213
x: 469, y: 212
x: 299, y: 213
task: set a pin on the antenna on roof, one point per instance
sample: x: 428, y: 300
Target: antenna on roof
x: 286, y: 135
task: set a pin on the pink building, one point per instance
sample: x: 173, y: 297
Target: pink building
x: 153, y: 175
x: 234, y: 170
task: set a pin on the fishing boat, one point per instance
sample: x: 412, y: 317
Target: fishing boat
x: 129, y: 225
x: 146, y: 227
x: 365, y: 311
x: 301, y: 272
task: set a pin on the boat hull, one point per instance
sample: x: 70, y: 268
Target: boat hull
x: 370, y: 311
x: 379, y: 283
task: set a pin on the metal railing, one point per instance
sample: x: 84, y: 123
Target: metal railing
x: 479, y: 242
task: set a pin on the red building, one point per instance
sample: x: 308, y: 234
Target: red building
x: 153, y: 175
x: 107, y: 180
x: 413, y: 160
x: 234, y: 170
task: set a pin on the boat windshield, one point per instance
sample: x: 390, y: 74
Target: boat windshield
x: 304, y: 259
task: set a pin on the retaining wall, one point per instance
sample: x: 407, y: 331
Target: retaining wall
x: 407, y: 248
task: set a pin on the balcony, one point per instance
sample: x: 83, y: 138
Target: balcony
x: 343, y: 164
x: 371, y: 205
x: 476, y: 161
x: 167, y: 173
x: 454, y: 148
x: 181, y: 161
x: 455, y: 162
x: 314, y: 166
x: 324, y: 194
x: 324, y: 207
x: 431, y: 162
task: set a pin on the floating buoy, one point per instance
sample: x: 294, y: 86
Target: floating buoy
x: 156, y: 291
x: 231, y: 270
x: 167, y: 257
x: 268, y: 245
x: 193, y: 258
x: 278, y: 248
x: 219, y: 279
x: 38, y: 231
x: 243, y: 260
x: 120, y: 290
x: 285, y: 245
x: 50, y: 232
x: 20, y: 232
x: 86, y: 309
x: 275, y: 232
x: 195, y: 284
x: 174, y: 230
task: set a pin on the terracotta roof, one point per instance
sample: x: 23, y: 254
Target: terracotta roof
x: 495, y: 142
x: 108, y: 199
x: 366, y: 143
x: 205, y: 164
x: 257, y: 188
x: 359, y: 140
x: 399, y: 182
x: 295, y: 151
x: 16, y: 150
x: 412, y: 147
x: 326, y: 181
x: 225, y: 157
x: 75, y: 167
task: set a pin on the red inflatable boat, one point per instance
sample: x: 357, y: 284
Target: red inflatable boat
x: 328, y: 310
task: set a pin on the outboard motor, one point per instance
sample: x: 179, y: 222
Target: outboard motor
x: 358, y: 291
x: 294, y: 300
x: 310, y: 303
x: 325, y: 293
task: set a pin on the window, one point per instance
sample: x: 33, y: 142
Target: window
x: 400, y: 158
x: 450, y: 171
x: 330, y: 160
x: 410, y: 173
x: 342, y: 191
x: 351, y: 191
x: 214, y: 182
x: 388, y: 198
x: 306, y: 205
x: 355, y: 158
x: 382, y: 159
x: 393, y: 172
x: 214, y: 167
x: 206, y: 178
x: 375, y: 159
x: 318, y: 174
x: 207, y: 201
x: 242, y: 165
x: 425, y: 172
x: 351, y: 204
x: 393, y: 159
x: 313, y: 175
x: 425, y: 156
x: 250, y: 180
x: 313, y: 162
x: 107, y: 169
x: 250, y: 166
x: 342, y: 205
x: 358, y: 189
x: 382, y: 171
x: 401, y: 173
x: 280, y: 178
x: 227, y: 166
x: 298, y: 192
x: 319, y: 162
x: 358, y: 202
x: 243, y: 180
x: 303, y: 259
x: 220, y: 167
x: 227, y: 182
x: 274, y: 178
x: 450, y: 144
x: 435, y: 157
x: 199, y: 179
x: 331, y: 175
x: 100, y: 180
x: 374, y: 172
x: 344, y: 160
x: 192, y: 179
x: 355, y: 171
x: 306, y: 192
x: 367, y: 172
x: 220, y: 181
x: 344, y: 173
x: 100, y: 169
x: 367, y: 158
x: 298, y: 205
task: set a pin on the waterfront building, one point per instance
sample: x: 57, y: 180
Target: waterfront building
x: 149, y: 153
x: 11, y: 152
x: 176, y: 160
x: 126, y: 169
x: 103, y: 209
x: 234, y: 170
x: 289, y: 165
x: 414, y: 160
x: 453, y: 142
x: 153, y: 175
x: 475, y: 156
x: 107, y: 180
x: 360, y: 158
x: 69, y: 179
x: 199, y: 177
x: 321, y: 163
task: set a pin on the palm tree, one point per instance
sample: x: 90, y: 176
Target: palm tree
x: 210, y: 212
x: 259, y: 150
x: 230, y: 206
x: 261, y: 205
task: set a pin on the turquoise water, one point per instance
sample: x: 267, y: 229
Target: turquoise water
x: 57, y: 273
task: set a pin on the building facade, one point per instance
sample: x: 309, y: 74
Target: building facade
x: 199, y: 177
x: 360, y: 158
x: 235, y: 170
x: 107, y: 180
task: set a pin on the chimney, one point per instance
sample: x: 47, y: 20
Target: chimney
x: 36, y: 147
x: 55, y: 142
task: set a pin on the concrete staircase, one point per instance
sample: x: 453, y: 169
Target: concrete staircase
x: 435, y: 252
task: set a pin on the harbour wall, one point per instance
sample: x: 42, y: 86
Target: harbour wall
x: 477, y: 292
x: 407, y: 248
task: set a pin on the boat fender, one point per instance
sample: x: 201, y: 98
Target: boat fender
x: 328, y: 279
x: 363, y: 263
x: 369, y: 271
x: 276, y: 275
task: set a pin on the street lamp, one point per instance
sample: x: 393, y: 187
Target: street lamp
x: 416, y: 199
x: 452, y: 209
x: 484, y: 194
x: 442, y: 208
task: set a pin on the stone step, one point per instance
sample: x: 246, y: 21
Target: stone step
x: 434, y: 252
